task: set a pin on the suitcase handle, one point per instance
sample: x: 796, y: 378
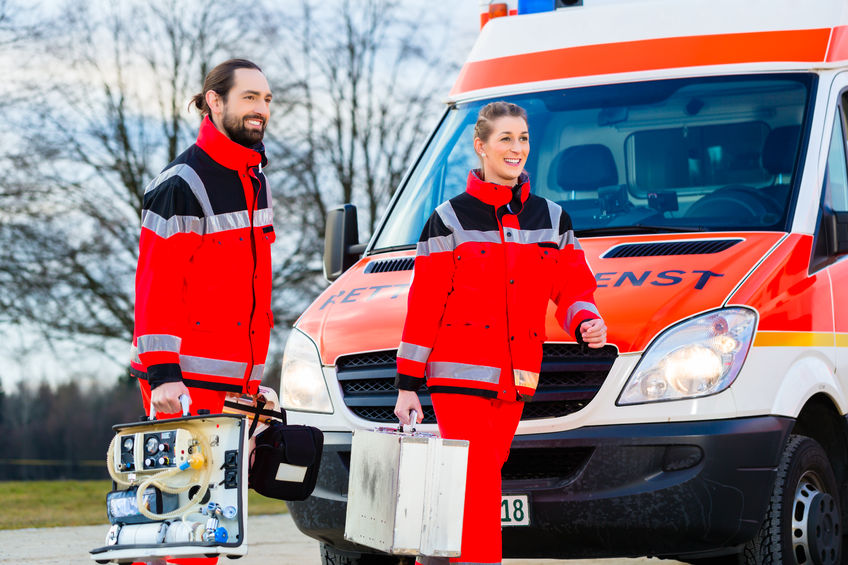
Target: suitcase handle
x: 185, y: 400
x: 413, y: 417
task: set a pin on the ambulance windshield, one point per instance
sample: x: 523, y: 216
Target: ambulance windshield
x: 695, y: 154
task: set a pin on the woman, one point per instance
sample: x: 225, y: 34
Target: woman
x: 488, y: 261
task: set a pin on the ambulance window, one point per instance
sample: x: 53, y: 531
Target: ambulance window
x: 834, y: 191
x: 691, y: 158
x: 836, y: 173
x: 701, y: 153
x: 439, y: 176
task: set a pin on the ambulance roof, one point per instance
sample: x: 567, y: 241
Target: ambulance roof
x: 613, y: 37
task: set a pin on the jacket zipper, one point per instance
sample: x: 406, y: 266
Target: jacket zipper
x: 252, y: 211
x: 501, y: 229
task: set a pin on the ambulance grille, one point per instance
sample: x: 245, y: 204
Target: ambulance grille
x: 571, y: 376
x: 692, y: 247
x: 389, y: 265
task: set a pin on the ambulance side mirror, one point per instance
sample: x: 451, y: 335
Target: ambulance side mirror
x: 341, y: 241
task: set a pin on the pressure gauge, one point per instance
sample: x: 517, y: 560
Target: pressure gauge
x: 152, y: 445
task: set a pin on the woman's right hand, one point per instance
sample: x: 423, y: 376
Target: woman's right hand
x: 407, y: 401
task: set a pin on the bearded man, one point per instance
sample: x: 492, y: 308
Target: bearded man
x: 203, y: 284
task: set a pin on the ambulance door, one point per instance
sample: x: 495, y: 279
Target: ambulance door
x: 835, y: 200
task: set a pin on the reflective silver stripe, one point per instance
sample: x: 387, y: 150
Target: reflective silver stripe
x: 268, y: 198
x: 134, y: 358
x: 214, y: 367
x: 263, y: 217
x: 257, y: 372
x: 460, y: 235
x: 527, y: 379
x: 535, y: 236
x: 172, y: 226
x: 191, y: 178
x: 555, y: 212
x: 414, y: 352
x: 435, y: 245
x: 466, y: 236
x: 479, y: 373
x: 229, y: 221
x: 158, y: 342
x: 569, y: 239
x: 576, y: 307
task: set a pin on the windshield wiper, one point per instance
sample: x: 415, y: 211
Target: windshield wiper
x: 637, y: 228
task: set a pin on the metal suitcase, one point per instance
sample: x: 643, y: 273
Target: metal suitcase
x: 406, y: 492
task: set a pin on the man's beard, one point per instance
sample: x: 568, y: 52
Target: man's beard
x: 238, y: 132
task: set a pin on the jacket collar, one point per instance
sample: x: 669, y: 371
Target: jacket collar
x: 497, y: 195
x: 227, y: 152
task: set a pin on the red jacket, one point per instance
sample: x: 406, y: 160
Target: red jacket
x: 487, y: 263
x: 203, y: 284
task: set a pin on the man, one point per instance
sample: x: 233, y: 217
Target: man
x: 203, y: 284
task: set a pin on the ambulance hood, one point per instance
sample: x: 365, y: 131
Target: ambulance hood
x: 645, y: 284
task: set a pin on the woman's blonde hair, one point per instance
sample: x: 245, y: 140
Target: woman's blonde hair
x: 491, y: 112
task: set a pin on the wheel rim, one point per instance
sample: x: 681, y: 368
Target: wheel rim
x: 816, y: 526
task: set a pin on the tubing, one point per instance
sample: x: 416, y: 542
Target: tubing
x: 200, y: 477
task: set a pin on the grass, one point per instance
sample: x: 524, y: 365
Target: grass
x: 44, y: 504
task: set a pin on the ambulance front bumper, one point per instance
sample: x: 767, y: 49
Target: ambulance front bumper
x: 663, y: 489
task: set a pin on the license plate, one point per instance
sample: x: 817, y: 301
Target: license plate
x: 515, y: 510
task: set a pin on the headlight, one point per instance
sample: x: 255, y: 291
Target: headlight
x: 302, y: 382
x: 697, y: 357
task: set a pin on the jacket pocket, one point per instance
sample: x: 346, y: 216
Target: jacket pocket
x: 268, y: 234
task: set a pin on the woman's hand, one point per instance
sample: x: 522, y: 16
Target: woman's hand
x: 594, y: 333
x: 407, y: 401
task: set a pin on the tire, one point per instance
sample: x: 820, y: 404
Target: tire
x: 803, y: 522
x: 332, y: 556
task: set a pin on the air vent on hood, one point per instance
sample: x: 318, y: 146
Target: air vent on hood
x: 689, y: 247
x: 389, y: 265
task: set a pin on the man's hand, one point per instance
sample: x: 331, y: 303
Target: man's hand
x: 594, y: 333
x: 406, y: 402
x: 165, y: 398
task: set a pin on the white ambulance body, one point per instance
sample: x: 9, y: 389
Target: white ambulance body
x: 700, y: 150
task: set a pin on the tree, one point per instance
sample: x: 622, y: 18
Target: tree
x: 369, y: 85
x: 355, y: 85
x: 112, y: 116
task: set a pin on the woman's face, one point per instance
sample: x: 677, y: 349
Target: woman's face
x: 506, y: 150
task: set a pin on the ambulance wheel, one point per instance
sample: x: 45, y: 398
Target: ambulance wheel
x: 803, y: 523
x: 332, y: 556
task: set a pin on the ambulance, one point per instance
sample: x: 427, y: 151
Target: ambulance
x: 699, y: 147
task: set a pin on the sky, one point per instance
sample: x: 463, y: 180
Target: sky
x: 25, y: 357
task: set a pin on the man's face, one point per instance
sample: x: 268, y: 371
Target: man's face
x: 247, y: 107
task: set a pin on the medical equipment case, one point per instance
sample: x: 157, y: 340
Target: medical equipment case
x: 406, y: 492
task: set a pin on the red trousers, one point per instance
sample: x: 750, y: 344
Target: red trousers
x: 213, y: 401
x: 489, y: 425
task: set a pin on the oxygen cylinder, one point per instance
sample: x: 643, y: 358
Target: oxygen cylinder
x: 142, y: 533
x: 184, y: 532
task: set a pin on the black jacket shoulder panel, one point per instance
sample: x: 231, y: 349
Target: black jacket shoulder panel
x: 564, y: 222
x: 172, y: 197
x: 435, y: 227
x: 473, y: 214
x: 536, y: 214
x: 223, y: 185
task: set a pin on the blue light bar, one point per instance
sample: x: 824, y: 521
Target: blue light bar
x: 535, y: 6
